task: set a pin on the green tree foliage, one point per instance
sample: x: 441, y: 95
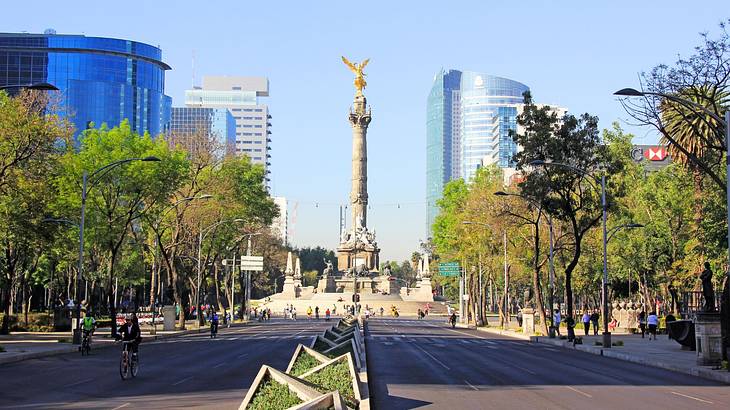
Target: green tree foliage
x: 314, y: 258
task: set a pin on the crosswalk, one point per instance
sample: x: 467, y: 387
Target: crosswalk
x: 243, y: 338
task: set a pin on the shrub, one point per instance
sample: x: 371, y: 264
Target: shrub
x: 2, y: 349
x: 340, y: 350
x: 273, y: 396
x: 618, y: 343
x: 335, y: 377
x: 303, y: 363
x: 597, y: 343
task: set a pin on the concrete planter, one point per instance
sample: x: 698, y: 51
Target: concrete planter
x: 311, y: 398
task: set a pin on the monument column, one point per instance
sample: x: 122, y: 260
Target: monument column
x: 359, y: 120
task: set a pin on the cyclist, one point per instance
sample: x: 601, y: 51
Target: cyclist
x: 88, y: 326
x: 214, y: 324
x: 452, y: 320
x: 129, y: 332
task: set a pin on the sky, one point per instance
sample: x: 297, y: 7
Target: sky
x: 571, y: 53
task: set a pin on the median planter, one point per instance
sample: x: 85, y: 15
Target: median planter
x: 305, y: 359
x: 274, y: 390
x: 339, y: 375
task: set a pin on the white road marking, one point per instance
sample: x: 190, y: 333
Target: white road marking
x: 241, y: 355
x: 182, y: 381
x: 431, y: 356
x: 77, y: 383
x: 690, y: 397
x: 122, y: 406
x: 219, y: 365
x: 470, y: 385
x: 580, y: 392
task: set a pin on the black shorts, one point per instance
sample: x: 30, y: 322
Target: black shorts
x: 652, y: 329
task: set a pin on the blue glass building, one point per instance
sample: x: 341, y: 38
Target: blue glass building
x: 218, y: 123
x: 101, y: 80
x: 468, y: 120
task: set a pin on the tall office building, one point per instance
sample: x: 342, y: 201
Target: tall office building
x: 280, y: 225
x: 217, y: 123
x: 468, y: 121
x: 101, y: 80
x: 240, y: 95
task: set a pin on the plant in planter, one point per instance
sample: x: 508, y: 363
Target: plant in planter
x: 305, y: 359
x: 336, y: 375
x: 273, y: 395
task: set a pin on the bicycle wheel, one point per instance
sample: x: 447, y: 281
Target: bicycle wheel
x: 124, y: 366
x: 134, y: 364
x: 83, y: 347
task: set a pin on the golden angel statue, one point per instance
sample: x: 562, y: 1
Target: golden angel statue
x: 359, y: 75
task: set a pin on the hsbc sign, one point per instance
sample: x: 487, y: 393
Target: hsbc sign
x: 652, y: 156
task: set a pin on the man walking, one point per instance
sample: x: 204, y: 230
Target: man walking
x: 556, y: 321
x: 586, y: 322
x: 594, y: 322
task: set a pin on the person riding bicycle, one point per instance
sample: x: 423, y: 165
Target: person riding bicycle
x: 88, y: 325
x: 129, y: 332
x: 214, y: 323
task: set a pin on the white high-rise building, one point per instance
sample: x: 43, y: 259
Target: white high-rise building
x: 240, y: 95
x: 280, y: 225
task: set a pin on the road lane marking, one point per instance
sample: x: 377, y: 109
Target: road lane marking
x: 240, y: 356
x: 580, y: 392
x: 77, y: 383
x: 693, y: 398
x: 122, y: 406
x: 471, y: 385
x: 182, y: 381
x: 431, y: 356
x: 219, y: 365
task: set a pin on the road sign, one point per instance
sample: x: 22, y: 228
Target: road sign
x: 449, y: 269
x: 254, y: 263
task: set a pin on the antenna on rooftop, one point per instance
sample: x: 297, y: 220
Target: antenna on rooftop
x: 193, y: 74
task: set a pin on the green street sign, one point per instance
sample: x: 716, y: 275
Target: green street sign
x: 449, y: 269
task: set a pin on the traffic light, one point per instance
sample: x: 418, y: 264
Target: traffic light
x: 356, y: 298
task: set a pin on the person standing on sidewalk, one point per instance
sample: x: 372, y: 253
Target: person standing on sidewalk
x: 642, y: 322
x: 586, y: 322
x: 594, y: 321
x: 653, y: 322
x: 556, y: 321
x: 316, y: 312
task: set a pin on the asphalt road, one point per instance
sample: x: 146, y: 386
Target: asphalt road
x: 426, y: 364
x: 184, y: 372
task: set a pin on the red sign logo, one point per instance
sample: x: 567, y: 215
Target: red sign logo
x: 655, y: 153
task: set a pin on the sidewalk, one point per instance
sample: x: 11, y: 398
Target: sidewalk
x: 662, y: 353
x: 32, y: 345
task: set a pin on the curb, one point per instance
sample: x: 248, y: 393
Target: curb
x: 507, y: 333
x: 697, y: 371
x: 73, y: 348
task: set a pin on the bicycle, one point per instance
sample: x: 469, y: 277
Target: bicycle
x: 129, y: 362
x: 213, y: 330
x: 85, y: 344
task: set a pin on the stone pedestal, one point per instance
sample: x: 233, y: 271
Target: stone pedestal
x: 528, y: 321
x: 168, y: 318
x: 326, y: 284
x: 708, y: 336
x: 425, y: 291
x: 348, y: 257
x: 290, y: 288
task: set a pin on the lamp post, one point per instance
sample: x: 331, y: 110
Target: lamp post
x: 247, y: 296
x: 506, y: 268
x: 604, y: 209
x: 85, y: 188
x: 201, y: 235
x: 551, y: 265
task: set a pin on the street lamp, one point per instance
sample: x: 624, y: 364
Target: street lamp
x: 247, y: 296
x: 504, y: 240
x: 99, y: 173
x: 551, y: 264
x: 201, y: 236
x: 604, y: 208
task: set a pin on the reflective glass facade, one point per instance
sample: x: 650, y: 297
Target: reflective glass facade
x: 442, y: 138
x: 217, y: 122
x: 488, y: 112
x: 101, y: 80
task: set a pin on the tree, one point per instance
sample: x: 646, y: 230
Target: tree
x: 118, y: 198
x: 574, y: 198
x: 30, y: 143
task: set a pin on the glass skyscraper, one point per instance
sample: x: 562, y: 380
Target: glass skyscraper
x: 101, y: 80
x: 215, y: 122
x: 468, y: 119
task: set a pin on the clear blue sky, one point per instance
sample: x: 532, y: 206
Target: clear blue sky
x: 570, y: 53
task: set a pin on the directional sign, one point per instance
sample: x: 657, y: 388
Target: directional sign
x: 449, y: 269
x: 254, y: 263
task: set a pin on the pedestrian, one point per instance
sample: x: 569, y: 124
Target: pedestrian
x: 519, y: 318
x: 419, y: 314
x: 316, y: 312
x: 594, y: 321
x: 556, y: 321
x: 586, y: 322
x: 293, y: 313
x: 642, y: 322
x: 653, y: 322
x: 327, y: 314
x: 334, y: 309
x: 309, y: 313
x: 382, y: 311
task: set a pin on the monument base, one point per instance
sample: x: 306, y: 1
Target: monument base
x: 349, y: 258
x: 709, y: 339
x: 168, y: 318
x: 290, y: 289
x: 528, y: 321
